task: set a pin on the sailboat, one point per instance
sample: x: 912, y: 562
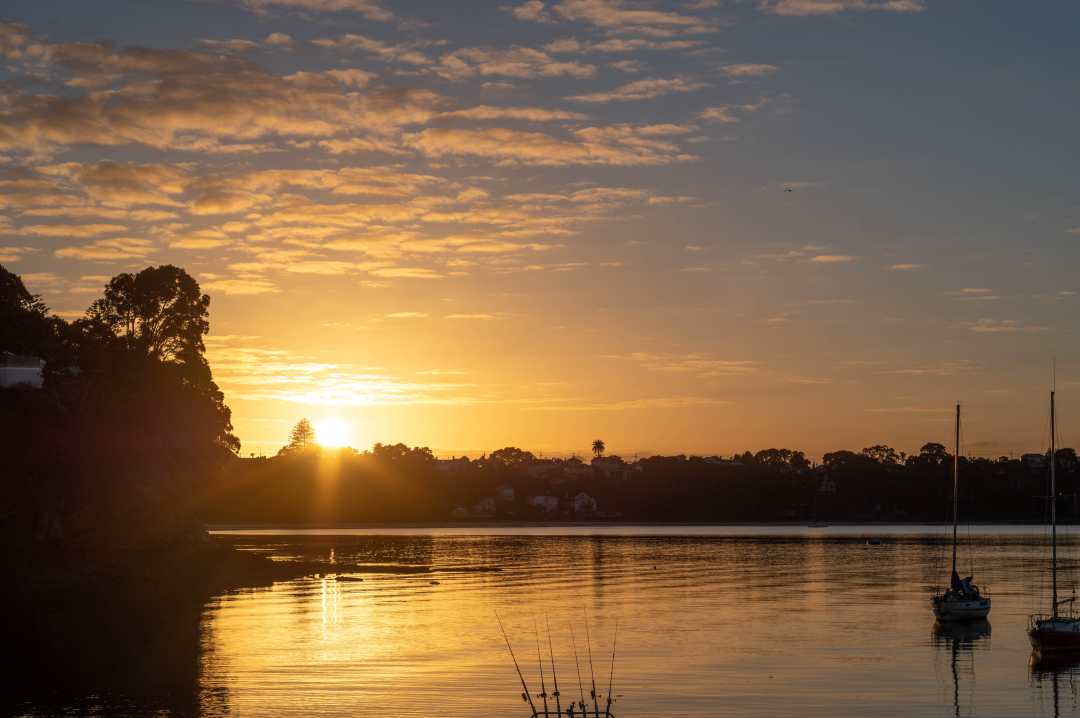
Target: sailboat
x: 962, y: 601
x: 1054, y: 633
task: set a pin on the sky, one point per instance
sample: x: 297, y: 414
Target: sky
x: 692, y: 227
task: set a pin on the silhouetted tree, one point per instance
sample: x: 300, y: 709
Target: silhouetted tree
x: 150, y: 325
x: 301, y: 438
x: 512, y: 457
x: 25, y: 324
x: 159, y: 312
x: 598, y: 447
x: 933, y: 453
x: 885, y: 455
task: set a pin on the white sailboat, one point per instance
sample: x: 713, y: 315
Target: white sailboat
x: 1055, y: 633
x: 962, y: 601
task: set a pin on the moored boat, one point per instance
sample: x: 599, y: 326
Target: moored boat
x: 963, y: 600
x: 1054, y: 634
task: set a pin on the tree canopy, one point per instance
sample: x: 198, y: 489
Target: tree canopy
x: 301, y: 438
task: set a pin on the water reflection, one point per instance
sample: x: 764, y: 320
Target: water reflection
x: 806, y: 624
x: 1057, y: 680
x: 958, y: 639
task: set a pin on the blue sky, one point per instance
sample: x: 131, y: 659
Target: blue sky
x: 472, y: 224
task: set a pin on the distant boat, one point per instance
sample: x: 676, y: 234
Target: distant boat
x: 873, y: 541
x: 1054, y: 633
x: 962, y: 600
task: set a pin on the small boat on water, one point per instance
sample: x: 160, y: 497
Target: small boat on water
x: 1054, y: 633
x: 962, y: 600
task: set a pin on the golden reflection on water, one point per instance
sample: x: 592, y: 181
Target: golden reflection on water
x: 753, y: 626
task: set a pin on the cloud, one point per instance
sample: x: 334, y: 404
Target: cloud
x: 69, y: 230
x: 832, y: 258
x: 619, y: 145
x: 620, y: 17
x: 907, y: 267
x: 523, y: 62
x: 240, y: 286
x: 125, y: 184
x: 15, y: 254
x: 833, y: 7
x: 663, y: 402
x: 530, y: 114
x: 257, y: 373
x: 530, y: 11
x: 694, y: 363
x: 406, y: 273
x: 1003, y: 326
x: 278, y: 38
x: 408, y: 54
x: 571, y: 45
x: 369, y: 9
x: 230, y: 45
x: 747, y: 70
x: 108, y: 250
x: 720, y: 114
x: 641, y: 90
x: 407, y: 315
x: 200, y: 102
x: 474, y: 317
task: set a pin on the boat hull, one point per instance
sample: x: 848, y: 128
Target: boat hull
x: 974, y: 609
x: 1055, y: 636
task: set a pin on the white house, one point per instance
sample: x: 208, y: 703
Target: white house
x: 547, y: 504
x: 584, y: 504
x: 484, y: 507
x: 16, y: 369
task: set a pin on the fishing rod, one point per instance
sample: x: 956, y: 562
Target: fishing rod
x: 525, y: 695
x: 554, y: 676
x: 539, y: 660
x: 592, y: 672
x: 611, y: 673
x: 577, y: 662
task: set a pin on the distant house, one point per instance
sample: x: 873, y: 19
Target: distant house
x: 1034, y: 462
x: 16, y: 370
x: 452, y: 466
x: 505, y: 492
x: 726, y: 463
x: 540, y: 467
x: 584, y: 504
x: 547, y: 504
x: 576, y: 469
x: 826, y: 485
x: 484, y: 507
x: 613, y: 467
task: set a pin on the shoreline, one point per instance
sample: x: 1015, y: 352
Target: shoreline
x: 235, y: 528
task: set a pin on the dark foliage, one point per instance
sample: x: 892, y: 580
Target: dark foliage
x: 117, y: 446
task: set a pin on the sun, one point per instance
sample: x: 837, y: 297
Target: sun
x: 332, y: 432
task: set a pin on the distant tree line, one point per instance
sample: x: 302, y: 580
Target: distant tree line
x: 395, y: 483
x: 130, y: 441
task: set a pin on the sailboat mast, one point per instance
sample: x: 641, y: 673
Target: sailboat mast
x: 955, y: 488
x: 1053, y: 509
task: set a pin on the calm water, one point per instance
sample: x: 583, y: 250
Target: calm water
x: 711, y: 622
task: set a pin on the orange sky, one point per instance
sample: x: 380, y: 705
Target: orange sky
x: 550, y: 222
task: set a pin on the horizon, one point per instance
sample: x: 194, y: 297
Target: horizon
x: 697, y: 227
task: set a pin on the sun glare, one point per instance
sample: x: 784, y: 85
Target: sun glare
x: 332, y: 432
